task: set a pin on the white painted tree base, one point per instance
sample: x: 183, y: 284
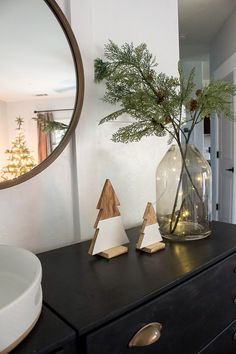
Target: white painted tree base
x: 111, y: 234
x: 151, y: 235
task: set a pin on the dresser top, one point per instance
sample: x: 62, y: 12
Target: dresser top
x: 90, y: 291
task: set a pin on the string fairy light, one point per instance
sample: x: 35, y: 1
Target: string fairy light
x: 19, y: 156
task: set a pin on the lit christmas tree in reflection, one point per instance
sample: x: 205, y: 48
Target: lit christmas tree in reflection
x: 19, y: 156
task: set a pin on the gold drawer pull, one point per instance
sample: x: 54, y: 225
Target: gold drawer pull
x: 147, y: 335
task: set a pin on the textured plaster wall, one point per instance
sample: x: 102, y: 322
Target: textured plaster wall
x: 47, y: 211
x: 131, y: 167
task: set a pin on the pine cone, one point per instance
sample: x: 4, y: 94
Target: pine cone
x: 168, y: 119
x: 198, y: 92
x: 160, y: 96
x: 193, y: 105
x: 150, y: 78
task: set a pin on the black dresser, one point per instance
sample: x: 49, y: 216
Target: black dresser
x: 189, y: 288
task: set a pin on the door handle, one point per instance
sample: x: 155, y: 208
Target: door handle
x: 230, y: 169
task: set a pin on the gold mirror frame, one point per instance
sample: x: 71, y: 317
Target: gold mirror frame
x: 79, y: 72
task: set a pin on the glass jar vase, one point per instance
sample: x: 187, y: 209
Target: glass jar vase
x: 183, y: 187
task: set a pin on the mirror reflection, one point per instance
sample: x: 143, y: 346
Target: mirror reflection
x: 37, y: 85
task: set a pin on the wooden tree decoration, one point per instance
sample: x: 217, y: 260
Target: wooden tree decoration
x: 150, y: 238
x: 110, y: 234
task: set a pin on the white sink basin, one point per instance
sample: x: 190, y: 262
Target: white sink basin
x: 20, y: 295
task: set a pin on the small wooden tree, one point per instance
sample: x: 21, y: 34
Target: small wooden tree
x: 110, y: 234
x: 150, y: 237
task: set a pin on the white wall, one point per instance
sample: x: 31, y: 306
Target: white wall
x: 4, y: 129
x: 223, y: 46
x: 194, y: 52
x: 42, y: 213
x: 25, y: 109
x: 131, y: 167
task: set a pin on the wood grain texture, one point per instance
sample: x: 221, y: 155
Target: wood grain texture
x: 155, y: 247
x: 93, y: 241
x: 114, y: 252
x: 107, y: 203
x: 148, y: 237
x: 108, y: 208
x: 149, y: 217
x: 140, y: 240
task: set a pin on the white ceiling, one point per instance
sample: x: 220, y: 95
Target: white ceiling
x: 200, y: 20
x: 35, y: 56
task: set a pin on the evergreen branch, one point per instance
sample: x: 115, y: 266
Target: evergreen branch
x: 186, y: 85
x: 217, y: 98
x: 101, y: 70
x: 136, y: 131
x: 153, y: 99
x: 112, y: 116
x: 48, y: 126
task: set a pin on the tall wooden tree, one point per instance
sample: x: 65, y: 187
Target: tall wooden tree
x: 109, y: 231
x: 150, y: 237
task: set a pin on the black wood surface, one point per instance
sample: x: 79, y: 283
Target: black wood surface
x: 90, y: 291
x: 50, y: 335
x: 224, y: 343
x: 191, y: 314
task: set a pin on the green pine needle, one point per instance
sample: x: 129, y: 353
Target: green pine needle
x: 101, y: 70
x: 154, y: 100
x: 48, y: 126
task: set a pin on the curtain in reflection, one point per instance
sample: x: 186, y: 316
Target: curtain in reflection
x: 44, y: 139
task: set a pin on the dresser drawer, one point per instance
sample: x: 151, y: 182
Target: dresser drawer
x: 224, y: 343
x: 190, y: 314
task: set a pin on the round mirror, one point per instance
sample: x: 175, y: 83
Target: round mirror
x: 41, y: 87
